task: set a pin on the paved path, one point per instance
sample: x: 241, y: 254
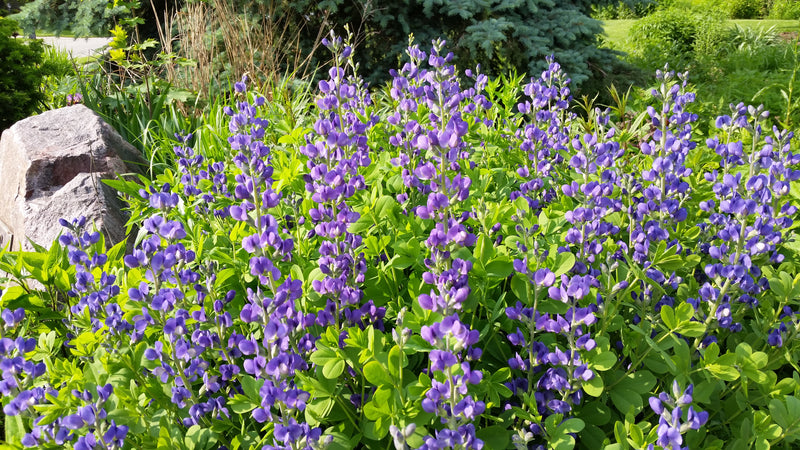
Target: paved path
x: 79, y: 47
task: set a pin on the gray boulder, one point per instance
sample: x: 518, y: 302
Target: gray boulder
x: 50, y: 168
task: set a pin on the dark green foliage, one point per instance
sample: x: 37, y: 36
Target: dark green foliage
x: 500, y: 36
x: 10, y: 7
x: 669, y: 29
x: 20, y: 75
x: 81, y: 17
x: 151, y: 12
x: 745, y: 9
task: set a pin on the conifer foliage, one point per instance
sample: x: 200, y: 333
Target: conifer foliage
x: 499, y: 35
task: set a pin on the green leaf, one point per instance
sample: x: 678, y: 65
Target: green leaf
x: 341, y: 441
x: 126, y: 187
x: 199, y: 438
x: 317, y: 384
x: 711, y: 353
x: 627, y: 393
x: 376, y: 374
x: 786, y: 415
x: 15, y: 428
x: 593, y: 387
x: 223, y: 275
x: 691, y: 329
x: 595, y: 413
x: 501, y: 375
x: 681, y: 354
x: 637, y: 436
x: 374, y: 409
x: 165, y: 441
x: 573, y: 425
x: 670, y: 262
x: 621, y: 435
x: 562, y: 442
x: 499, y: 269
x: 52, y: 257
x: 385, y: 206
x: 750, y: 372
x: 726, y: 373
x: 333, y: 368
x: 601, y: 360
x: 416, y: 344
x: 246, y: 440
x: 691, y: 261
x: 759, y: 359
x: 777, y: 285
x: 641, y: 381
x: 625, y: 400
x: 494, y: 437
x: 378, y: 429
x: 318, y: 409
x: 744, y: 350
x: 793, y: 407
x: 323, y: 355
x: 484, y: 251
x: 668, y: 317
x: 361, y: 225
x: 252, y: 388
x: 84, y: 344
x: 564, y: 263
x: 115, y: 253
x: 519, y: 286
x: 240, y: 404
x: 401, y: 262
x: 396, y: 361
x: 684, y: 312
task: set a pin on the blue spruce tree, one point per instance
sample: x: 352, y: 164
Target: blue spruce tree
x: 500, y: 35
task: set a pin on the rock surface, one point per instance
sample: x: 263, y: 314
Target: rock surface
x: 50, y: 168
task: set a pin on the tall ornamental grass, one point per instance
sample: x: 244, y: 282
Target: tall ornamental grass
x: 456, y: 262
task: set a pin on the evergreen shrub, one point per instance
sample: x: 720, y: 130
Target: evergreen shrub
x: 745, y: 9
x: 678, y: 37
x: 785, y: 10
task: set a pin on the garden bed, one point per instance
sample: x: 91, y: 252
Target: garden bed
x: 453, y: 263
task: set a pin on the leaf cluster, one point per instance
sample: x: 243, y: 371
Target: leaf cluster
x: 21, y: 75
x: 82, y: 18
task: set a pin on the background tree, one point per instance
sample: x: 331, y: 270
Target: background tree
x: 499, y: 35
x: 10, y: 7
x: 79, y: 17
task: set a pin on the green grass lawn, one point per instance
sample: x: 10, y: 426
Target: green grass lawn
x: 616, y: 31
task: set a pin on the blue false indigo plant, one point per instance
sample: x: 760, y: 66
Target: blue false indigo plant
x: 420, y: 268
x: 337, y: 152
